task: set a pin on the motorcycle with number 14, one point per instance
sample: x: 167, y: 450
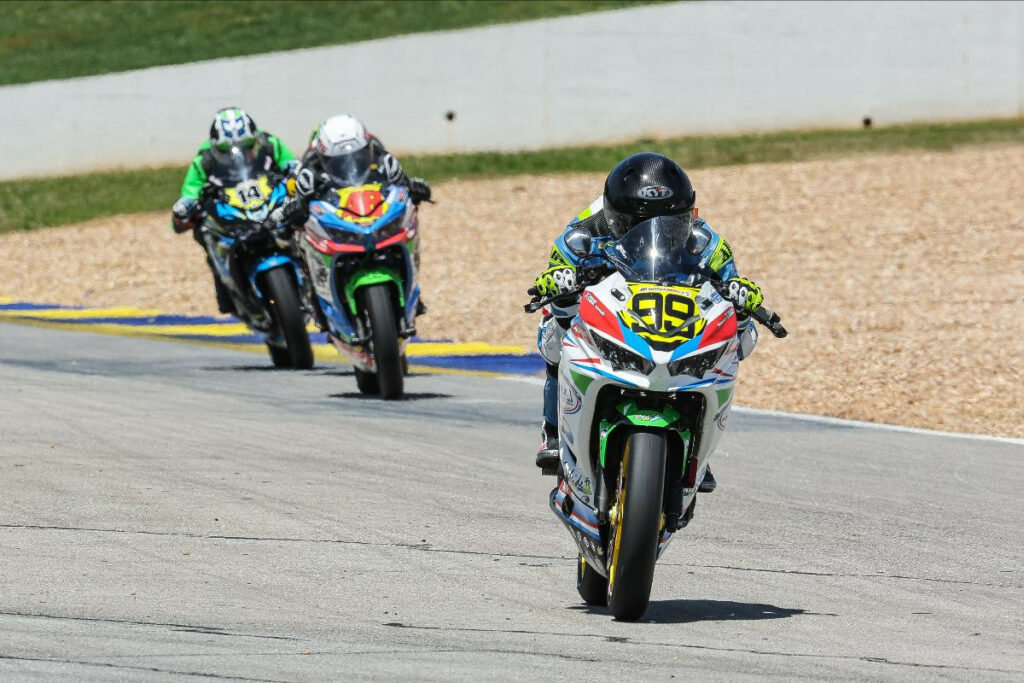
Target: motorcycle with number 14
x: 645, y: 387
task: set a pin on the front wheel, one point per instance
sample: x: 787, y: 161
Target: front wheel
x: 282, y: 298
x: 636, y: 525
x: 384, y: 340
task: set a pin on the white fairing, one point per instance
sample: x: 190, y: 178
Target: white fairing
x: 584, y: 371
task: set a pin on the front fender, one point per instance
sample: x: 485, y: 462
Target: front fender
x: 632, y: 414
x: 375, y: 276
x: 269, y: 263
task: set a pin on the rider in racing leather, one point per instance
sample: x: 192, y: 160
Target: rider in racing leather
x: 232, y: 132
x: 641, y: 186
x: 341, y: 143
x: 341, y: 150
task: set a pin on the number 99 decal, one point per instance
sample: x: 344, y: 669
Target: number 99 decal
x: 660, y: 315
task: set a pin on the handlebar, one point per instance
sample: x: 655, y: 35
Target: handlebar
x: 590, y: 274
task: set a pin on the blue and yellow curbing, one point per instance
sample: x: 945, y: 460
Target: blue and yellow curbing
x: 475, y: 358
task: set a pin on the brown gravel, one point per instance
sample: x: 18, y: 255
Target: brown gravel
x: 900, y: 277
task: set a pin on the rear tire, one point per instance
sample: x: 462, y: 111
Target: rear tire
x: 282, y: 297
x: 280, y: 357
x: 367, y: 382
x: 592, y: 587
x: 384, y: 340
x: 636, y: 525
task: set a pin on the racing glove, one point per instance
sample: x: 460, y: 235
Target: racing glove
x: 391, y: 168
x: 419, y: 190
x: 745, y: 294
x: 554, y: 281
x: 305, y: 182
x: 182, y: 213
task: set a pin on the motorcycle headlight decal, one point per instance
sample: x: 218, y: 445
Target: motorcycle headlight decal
x: 620, y: 358
x: 696, y: 365
x: 342, y: 235
x: 388, y: 230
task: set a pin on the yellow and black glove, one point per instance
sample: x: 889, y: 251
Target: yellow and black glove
x: 745, y: 294
x: 554, y: 281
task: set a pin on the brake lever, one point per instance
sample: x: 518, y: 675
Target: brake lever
x: 770, y: 319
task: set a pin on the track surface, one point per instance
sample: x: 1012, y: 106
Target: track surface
x: 174, y: 509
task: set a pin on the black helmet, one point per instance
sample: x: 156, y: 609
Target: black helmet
x: 643, y: 186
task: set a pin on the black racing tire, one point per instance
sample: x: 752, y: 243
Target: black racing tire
x: 380, y: 310
x: 282, y: 296
x: 592, y: 587
x: 636, y: 525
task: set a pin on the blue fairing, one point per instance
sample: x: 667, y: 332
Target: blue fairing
x: 338, y: 318
x: 275, y: 261
x: 329, y: 218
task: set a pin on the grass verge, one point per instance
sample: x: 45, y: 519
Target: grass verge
x: 41, y: 202
x: 45, y: 40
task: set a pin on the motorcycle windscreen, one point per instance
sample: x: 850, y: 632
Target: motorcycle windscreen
x: 353, y: 168
x: 655, y: 250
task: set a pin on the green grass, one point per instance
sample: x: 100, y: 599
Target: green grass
x: 35, y: 203
x: 46, y: 40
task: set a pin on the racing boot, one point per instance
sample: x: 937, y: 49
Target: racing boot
x: 224, y: 302
x: 708, y: 484
x: 547, y: 456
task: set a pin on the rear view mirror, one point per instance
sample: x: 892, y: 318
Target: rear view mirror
x: 579, y: 242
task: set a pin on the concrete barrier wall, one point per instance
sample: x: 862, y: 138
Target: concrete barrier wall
x: 654, y: 71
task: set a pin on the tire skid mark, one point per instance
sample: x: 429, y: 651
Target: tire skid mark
x: 135, y: 667
x: 625, y: 640
x: 424, y: 547
x: 184, y: 628
x: 799, y: 572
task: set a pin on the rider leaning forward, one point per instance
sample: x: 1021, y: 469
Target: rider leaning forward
x: 640, y: 187
x: 233, y: 137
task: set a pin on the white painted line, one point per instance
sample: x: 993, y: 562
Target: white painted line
x: 537, y: 381
x: 878, y: 425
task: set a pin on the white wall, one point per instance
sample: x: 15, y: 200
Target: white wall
x: 652, y: 71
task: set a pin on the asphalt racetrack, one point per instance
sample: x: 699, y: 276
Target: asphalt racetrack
x: 171, y: 510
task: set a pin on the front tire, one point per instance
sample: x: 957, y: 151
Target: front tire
x: 636, y: 525
x: 384, y: 341
x: 282, y: 298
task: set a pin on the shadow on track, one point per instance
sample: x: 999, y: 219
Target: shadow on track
x: 266, y: 368
x: 691, y: 611
x: 408, y: 396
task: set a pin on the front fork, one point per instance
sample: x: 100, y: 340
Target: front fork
x: 589, y: 525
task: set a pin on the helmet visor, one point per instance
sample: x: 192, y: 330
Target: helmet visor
x: 351, y: 168
x: 234, y: 164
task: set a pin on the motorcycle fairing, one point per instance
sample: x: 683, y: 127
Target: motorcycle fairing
x: 585, y: 372
x: 376, y: 235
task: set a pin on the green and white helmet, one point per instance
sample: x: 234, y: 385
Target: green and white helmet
x: 232, y: 127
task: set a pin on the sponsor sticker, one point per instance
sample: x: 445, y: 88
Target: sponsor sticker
x: 655, y: 192
x: 571, y: 400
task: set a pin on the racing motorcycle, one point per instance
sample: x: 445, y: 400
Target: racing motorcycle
x: 645, y: 387
x: 262, y: 276
x: 359, y: 245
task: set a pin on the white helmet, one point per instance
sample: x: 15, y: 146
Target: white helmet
x: 344, y: 148
x: 342, y: 134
